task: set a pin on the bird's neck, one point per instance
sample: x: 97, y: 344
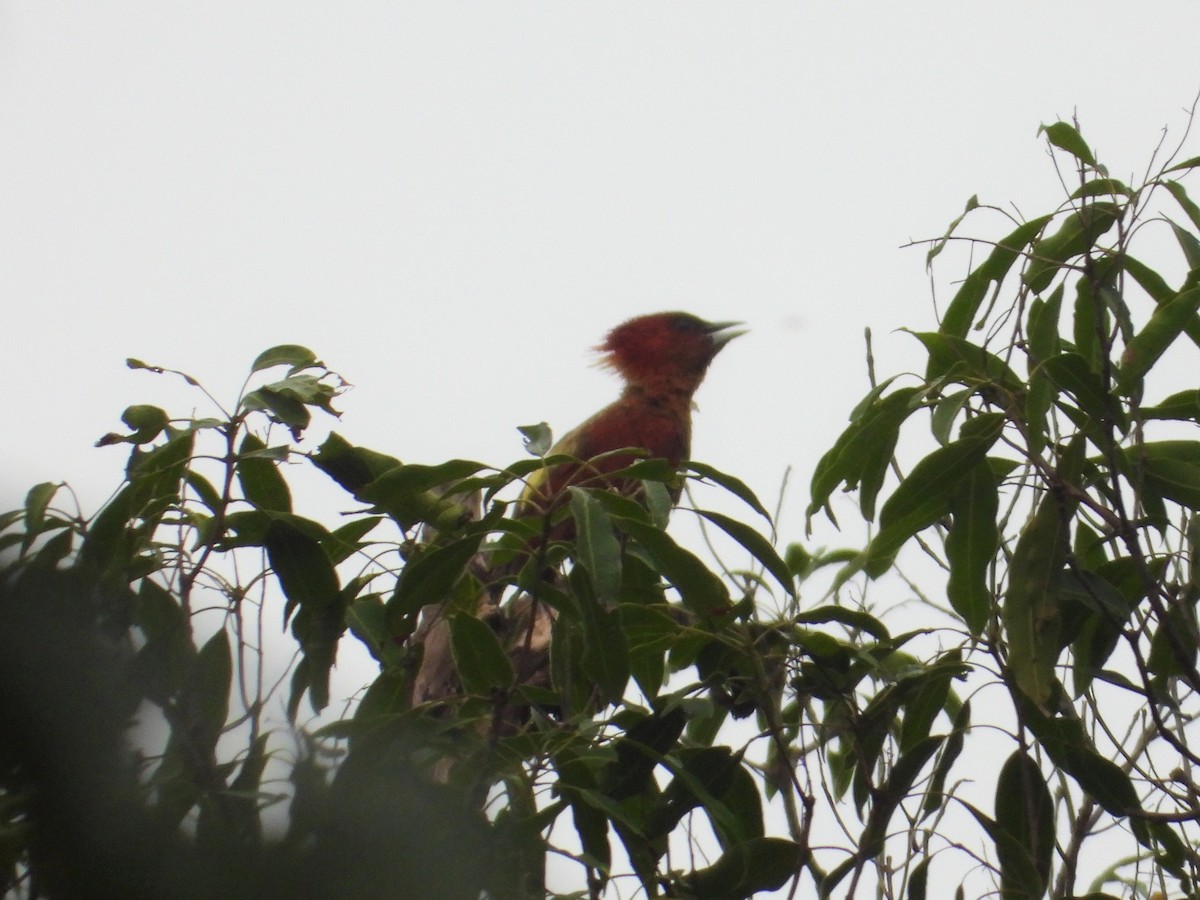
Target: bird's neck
x: 671, y: 396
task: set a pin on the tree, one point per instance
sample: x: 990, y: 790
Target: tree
x: 675, y: 727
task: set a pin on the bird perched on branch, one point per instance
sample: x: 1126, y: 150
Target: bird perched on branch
x: 663, y: 359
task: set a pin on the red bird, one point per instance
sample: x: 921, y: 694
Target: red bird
x: 662, y: 358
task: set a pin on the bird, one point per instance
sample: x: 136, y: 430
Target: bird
x: 662, y: 359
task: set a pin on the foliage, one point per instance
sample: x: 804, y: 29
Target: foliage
x: 686, y: 730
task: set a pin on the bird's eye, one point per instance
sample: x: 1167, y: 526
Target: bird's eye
x: 688, y: 324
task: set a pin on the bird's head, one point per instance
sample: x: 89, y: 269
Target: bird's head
x: 671, y: 349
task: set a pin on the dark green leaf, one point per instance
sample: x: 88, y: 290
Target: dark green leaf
x: 1025, y: 810
x: 1065, y: 137
x: 700, y: 590
x: 412, y: 494
x: 862, y: 453
x: 924, y: 496
x: 961, y: 312
x: 892, y: 793
x: 971, y: 545
x: 1078, y: 233
x: 760, y: 864
x: 969, y: 362
x: 1184, y: 405
x: 1166, y: 323
x: 482, y: 664
x: 37, y: 500
x: 285, y: 355
x: 1070, y: 372
x: 430, y: 575
x: 755, y: 544
x: 351, y: 467
x: 731, y: 483
x: 210, y: 682
x: 1030, y: 612
x: 261, y: 482
x: 344, y: 542
x: 605, y: 659
x: 147, y: 423
x: 851, y: 618
x: 1102, y: 187
x: 304, y: 570
x: 596, y: 547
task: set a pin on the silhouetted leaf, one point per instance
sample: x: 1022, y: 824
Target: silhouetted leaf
x: 1025, y: 810
x: 760, y: 864
x: 285, y: 355
x: 481, y: 662
x: 971, y: 545
x: 259, y: 477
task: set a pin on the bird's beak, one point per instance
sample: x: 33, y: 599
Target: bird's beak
x: 721, y: 333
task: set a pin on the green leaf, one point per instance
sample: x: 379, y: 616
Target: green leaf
x: 596, y: 547
x: 1175, y: 480
x: 539, y: 439
x: 731, y: 483
x: 892, y: 793
x: 1184, y: 405
x: 935, y: 796
x: 1186, y: 164
x: 1070, y: 372
x: 209, y: 687
x: 1167, y: 322
x: 1185, y: 202
x: 755, y: 544
x: 700, y: 590
x: 917, y: 880
x: 605, y: 652
x: 1042, y: 331
x: 1025, y: 810
x: 760, y: 864
x: 304, y: 570
x: 1065, y: 137
x: 940, y: 244
x: 344, y: 542
x: 430, y: 576
x: 261, y: 482
x: 861, y: 455
x: 851, y: 618
x: 971, y: 546
x: 412, y: 494
x: 1030, y: 611
x: 37, y: 500
x: 285, y: 355
x: 953, y: 355
x: 924, y: 496
x: 961, y: 312
x: 147, y: 422
x: 1076, y: 236
x: 482, y: 664
x: 351, y: 467
x: 1101, y: 187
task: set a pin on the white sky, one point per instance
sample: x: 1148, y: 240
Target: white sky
x: 451, y: 202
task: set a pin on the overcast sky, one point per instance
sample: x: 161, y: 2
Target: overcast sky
x: 452, y: 202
